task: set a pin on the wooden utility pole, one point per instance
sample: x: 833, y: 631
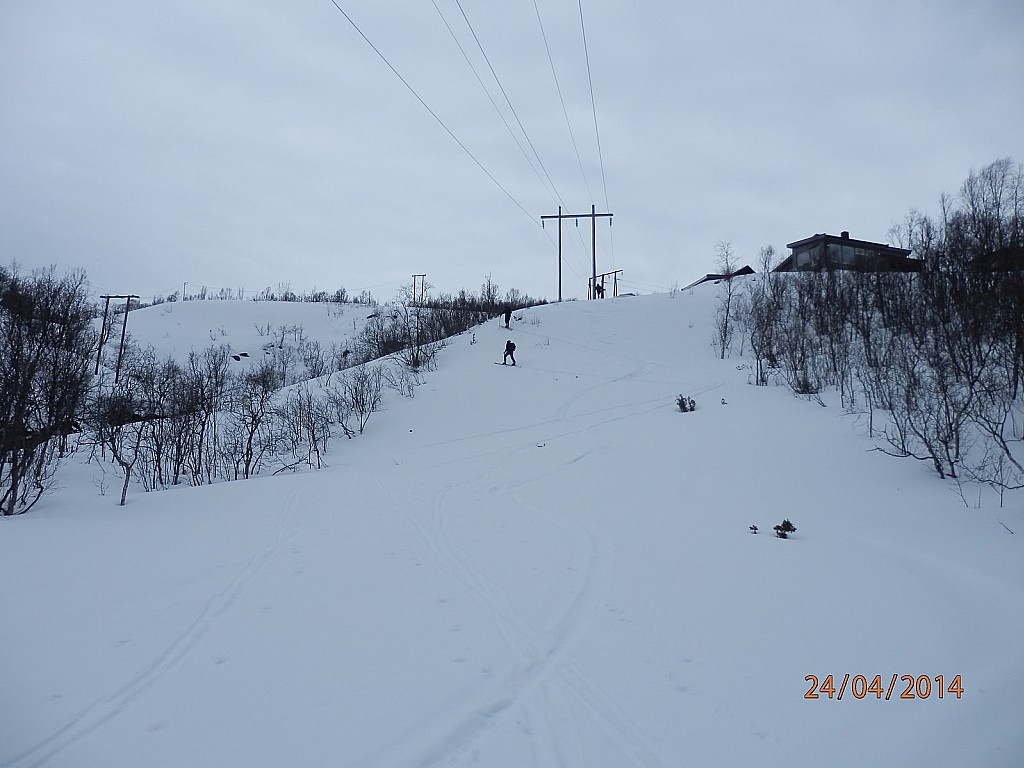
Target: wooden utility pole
x: 422, y: 279
x: 423, y: 295
x: 103, y: 334
x: 124, y: 331
x: 593, y: 216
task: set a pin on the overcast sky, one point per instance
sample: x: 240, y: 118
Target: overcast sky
x: 249, y: 144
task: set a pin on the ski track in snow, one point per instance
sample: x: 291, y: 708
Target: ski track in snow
x: 544, y: 676
x: 576, y: 423
x: 505, y: 508
x: 107, y: 707
x: 637, y: 371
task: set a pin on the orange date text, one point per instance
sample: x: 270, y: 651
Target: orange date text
x: 895, y: 687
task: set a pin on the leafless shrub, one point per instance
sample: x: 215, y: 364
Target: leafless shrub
x: 305, y: 426
x: 403, y: 379
x: 46, y: 327
x: 934, y: 359
x: 363, y: 387
x: 313, y: 358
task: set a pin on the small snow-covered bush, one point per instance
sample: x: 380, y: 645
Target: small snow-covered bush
x: 783, y: 529
x: 685, y: 404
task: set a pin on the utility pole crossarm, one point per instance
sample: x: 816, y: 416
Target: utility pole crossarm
x: 577, y: 215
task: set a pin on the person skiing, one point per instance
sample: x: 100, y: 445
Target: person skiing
x: 510, y: 350
x: 508, y: 316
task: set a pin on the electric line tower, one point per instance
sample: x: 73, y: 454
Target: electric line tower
x: 593, y: 216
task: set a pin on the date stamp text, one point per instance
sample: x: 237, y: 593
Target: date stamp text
x: 877, y: 687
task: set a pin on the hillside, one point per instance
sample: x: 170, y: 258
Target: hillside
x: 248, y: 328
x: 546, y: 565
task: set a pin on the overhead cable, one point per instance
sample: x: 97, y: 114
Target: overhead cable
x: 565, y: 111
x: 431, y: 111
x: 593, y: 105
x: 597, y: 132
x: 509, y: 102
x: 494, y: 104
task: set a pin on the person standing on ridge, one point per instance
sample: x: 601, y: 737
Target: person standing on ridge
x: 508, y: 316
x: 510, y: 350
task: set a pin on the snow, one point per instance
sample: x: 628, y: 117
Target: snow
x: 541, y: 566
x: 247, y: 328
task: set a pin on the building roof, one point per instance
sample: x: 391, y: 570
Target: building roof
x: 711, y: 277
x: 867, y: 256
x: 845, y: 239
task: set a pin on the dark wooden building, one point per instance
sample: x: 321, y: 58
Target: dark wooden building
x: 820, y: 252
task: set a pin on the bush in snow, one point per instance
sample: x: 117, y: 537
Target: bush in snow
x: 783, y: 529
x: 685, y: 403
x: 46, y: 324
x: 363, y: 389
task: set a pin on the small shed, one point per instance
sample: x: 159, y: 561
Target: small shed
x: 823, y: 251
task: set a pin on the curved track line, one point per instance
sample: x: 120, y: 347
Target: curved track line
x: 543, y: 656
x: 108, y: 706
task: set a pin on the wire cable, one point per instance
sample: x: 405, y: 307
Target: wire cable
x: 494, y: 104
x: 548, y: 186
x: 565, y: 112
x: 597, y: 132
x: 508, y: 101
x: 431, y: 111
x: 593, y: 105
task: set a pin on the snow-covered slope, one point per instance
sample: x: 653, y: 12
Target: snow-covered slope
x: 249, y: 329
x: 546, y: 565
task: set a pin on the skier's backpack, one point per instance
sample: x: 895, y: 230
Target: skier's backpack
x: 511, y: 346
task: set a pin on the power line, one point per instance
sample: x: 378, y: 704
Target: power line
x: 491, y: 99
x: 597, y: 132
x: 593, y: 104
x: 431, y: 111
x: 508, y: 101
x: 565, y: 112
x: 452, y: 135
